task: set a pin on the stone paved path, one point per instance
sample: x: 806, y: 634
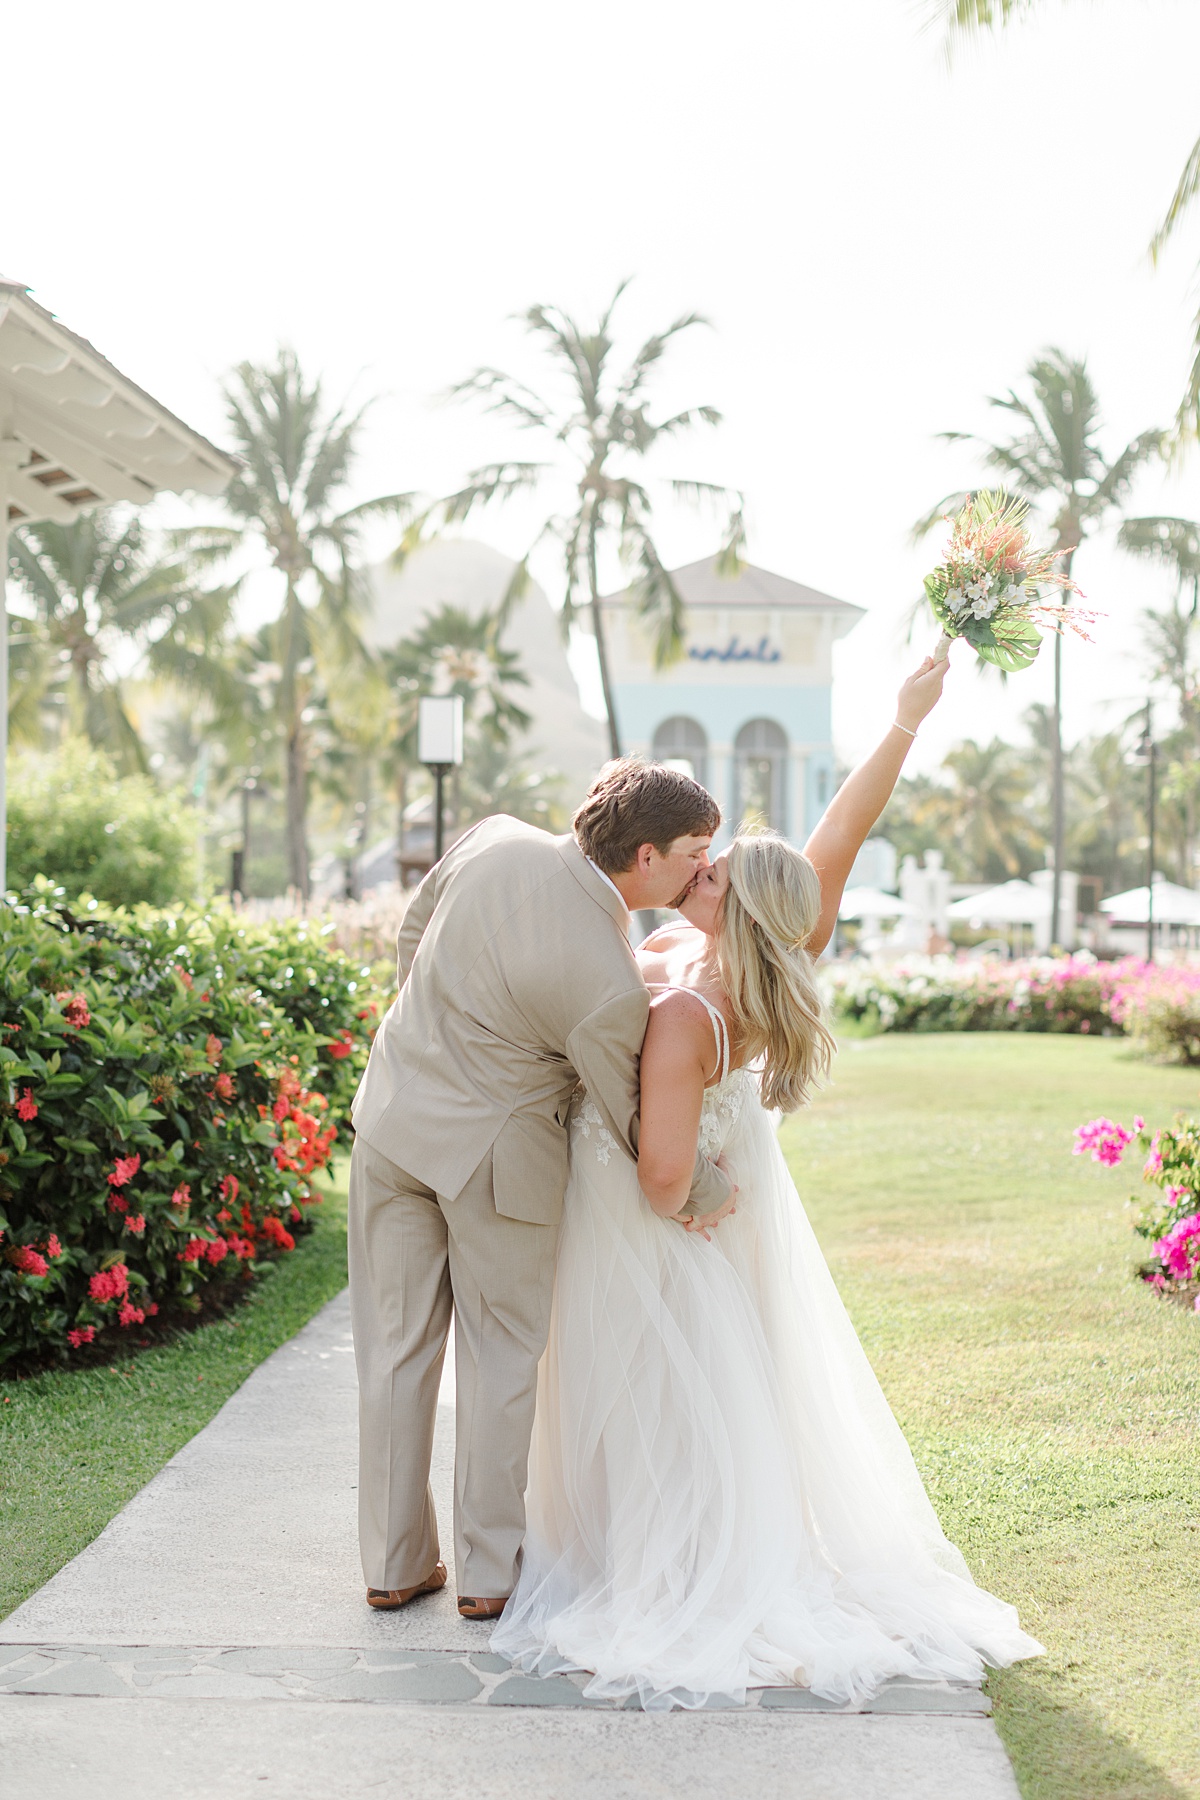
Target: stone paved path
x: 214, y: 1641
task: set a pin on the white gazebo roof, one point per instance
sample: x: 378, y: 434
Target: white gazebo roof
x: 1173, y: 905
x: 76, y: 433
x: 1012, y: 903
x: 873, y: 903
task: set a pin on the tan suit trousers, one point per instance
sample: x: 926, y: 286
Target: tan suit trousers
x: 415, y: 1259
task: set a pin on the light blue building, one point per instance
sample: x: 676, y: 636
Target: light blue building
x: 747, y: 710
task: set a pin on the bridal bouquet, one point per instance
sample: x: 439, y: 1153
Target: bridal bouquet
x: 989, y: 588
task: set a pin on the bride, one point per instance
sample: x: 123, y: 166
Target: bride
x: 719, y: 1496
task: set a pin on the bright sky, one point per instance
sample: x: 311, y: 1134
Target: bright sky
x: 878, y: 242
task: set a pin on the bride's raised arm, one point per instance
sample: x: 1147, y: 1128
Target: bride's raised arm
x: 842, y: 829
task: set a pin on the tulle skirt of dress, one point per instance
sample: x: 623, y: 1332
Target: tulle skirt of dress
x: 719, y: 1496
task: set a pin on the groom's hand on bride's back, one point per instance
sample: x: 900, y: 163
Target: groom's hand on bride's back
x: 706, y: 1222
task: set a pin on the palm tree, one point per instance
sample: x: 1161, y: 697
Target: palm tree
x: 1054, y: 460
x: 599, y: 440
x: 104, y: 582
x: 297, y: 460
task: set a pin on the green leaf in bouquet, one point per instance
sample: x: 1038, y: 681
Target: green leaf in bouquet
x: 1009, y: 644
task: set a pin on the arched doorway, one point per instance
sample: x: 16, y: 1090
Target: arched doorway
x: 760, y: 754
x: 682, y: 743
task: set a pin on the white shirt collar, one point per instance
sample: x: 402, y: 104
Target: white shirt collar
x: 608, y: 883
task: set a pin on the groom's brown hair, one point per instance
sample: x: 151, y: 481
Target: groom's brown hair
x: 631, y: 803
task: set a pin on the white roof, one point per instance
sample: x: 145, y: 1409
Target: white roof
x: 702, y: 584
x: 1173, y: 905
x: 81, y: 434
x: 1012, y: 903
x: 872, y: 903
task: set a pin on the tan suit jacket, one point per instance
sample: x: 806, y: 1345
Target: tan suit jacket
x: 516, y: 980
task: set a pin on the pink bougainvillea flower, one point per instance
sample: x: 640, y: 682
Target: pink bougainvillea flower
x: 1153, y: 1163
x: 82, y: 1334
x: 1179, y: 1250
x: 109, y: 1284
x: 136, y: 1223
x: 182, y: 1196
x: 28, y: 1260
x: 1104, y: 1139
x: 124, y: 1170
x: 130, y: 1314
x: 1176, y: 1194
x: 212, y: 1048
x: 27, y: 1106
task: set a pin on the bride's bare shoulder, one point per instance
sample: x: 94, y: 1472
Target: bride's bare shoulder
x: 665, y: 937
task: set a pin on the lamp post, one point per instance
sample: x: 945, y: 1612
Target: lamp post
x: 440, y: 747
x: 1146, y: 751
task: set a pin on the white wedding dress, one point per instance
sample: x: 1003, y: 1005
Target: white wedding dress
x: 719, y: 1496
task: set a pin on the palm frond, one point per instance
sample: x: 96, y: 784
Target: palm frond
x: 1186, y: 189
x: 497, y: 481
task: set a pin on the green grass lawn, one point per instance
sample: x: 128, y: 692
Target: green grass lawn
x: 75, y: 1446
x: 1051, y: 1402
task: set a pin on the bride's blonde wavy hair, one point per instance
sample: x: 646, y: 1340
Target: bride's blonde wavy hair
x: 770, y: 910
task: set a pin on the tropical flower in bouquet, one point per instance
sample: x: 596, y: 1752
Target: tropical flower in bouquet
x: 990, y: 588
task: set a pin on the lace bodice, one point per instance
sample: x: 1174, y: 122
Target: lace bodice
x: 719, y: 1112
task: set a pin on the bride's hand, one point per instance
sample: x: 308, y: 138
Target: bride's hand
x: 920, y: 693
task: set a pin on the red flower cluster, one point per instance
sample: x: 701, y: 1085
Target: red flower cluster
x: 229, y: 1187
x: 212, y: 1048
x: 193, y: 1250
x: 302, y: 1145
x: 136, y: 1223
x: 344, y: 1045
x: 223, y: 1087
x: 124, y: 1171
x: 183, y: 976
x: 182, y: 1195
x: 27, y: 1260
x: 74, y: 1009
x: 242, y: 1247
x: 275, y: 1229
x: 130, y: 1314
x: 53, y: 1247
x: 83, y: 1334
x: 27, y: 1106
x: 109, y: 1284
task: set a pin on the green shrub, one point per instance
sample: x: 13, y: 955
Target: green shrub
x: 122, y: 839
x: 169, y: 1085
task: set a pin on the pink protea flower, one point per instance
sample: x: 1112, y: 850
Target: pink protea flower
x: 27, y: 1106
x: 124, y: 1170
x: 1104, y: 1139
x: 82, y: 1334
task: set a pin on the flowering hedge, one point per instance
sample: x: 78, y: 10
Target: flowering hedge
x: 1169, y: 1220
x: 1158, y: 1006
x: 170, y: 1084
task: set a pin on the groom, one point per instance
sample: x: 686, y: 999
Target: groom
x: 516, y: 981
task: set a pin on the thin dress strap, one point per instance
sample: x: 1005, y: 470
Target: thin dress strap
x: 720, y: 1028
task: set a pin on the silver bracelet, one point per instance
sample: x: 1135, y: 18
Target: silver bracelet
x: 903, y: 728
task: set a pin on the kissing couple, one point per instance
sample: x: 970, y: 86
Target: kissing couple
x: 674, y: 1467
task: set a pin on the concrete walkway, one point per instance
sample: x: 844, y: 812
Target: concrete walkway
x: 214, y: 1642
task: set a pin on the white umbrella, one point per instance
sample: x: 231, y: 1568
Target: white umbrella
x: 870, y: 903
x: 1012, y: 903
x: 1173, y: 905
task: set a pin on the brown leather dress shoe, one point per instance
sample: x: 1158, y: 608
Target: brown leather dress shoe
x: 481, y: 1609
x: 388, y: 1599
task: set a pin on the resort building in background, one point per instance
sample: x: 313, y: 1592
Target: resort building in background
x: 747, y: 710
